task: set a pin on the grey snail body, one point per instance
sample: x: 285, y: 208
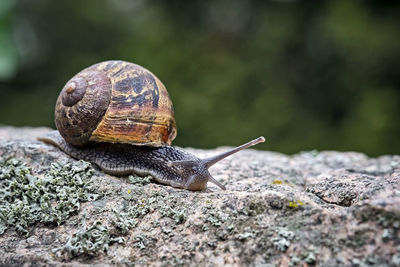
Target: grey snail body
x: 122, y: 136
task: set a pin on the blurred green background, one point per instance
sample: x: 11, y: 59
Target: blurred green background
x: 305, y: 74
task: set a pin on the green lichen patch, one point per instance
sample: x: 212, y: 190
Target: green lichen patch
x: 295, y: 204
x: 253, y: 208
x: 136, y: 207
x: 26, y: 199
x: 247, y: 233
x: 281, y: 182
x: 88, y: 240
x: 214, y: 217
x: 177, y: 214
x: 95, y: 239
x: 141, y: 241
x: 125, y: 219
x: 283, y: 240
x: 140, y: 181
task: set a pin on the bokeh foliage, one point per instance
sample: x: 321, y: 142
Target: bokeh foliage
x: 305, y: 74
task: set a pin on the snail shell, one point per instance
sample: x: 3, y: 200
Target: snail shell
x: 115, y: 102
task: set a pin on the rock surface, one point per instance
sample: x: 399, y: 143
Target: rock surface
x: 313, y: 208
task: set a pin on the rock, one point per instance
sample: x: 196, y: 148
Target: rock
x: 313, y: 208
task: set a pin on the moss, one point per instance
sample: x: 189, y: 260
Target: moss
x: 26, y: 199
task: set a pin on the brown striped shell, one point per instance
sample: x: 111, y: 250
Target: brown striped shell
x: 117, y: 102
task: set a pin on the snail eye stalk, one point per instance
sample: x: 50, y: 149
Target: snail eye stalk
x: 208, y: 162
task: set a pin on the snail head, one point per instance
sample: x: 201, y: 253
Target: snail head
x: 197, y: 170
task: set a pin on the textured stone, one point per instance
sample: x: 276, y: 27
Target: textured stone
x: 313, y: 208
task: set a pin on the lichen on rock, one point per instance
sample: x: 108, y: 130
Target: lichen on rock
x: 26, y: 199
x: 87, y: 240
x: 314, y: 208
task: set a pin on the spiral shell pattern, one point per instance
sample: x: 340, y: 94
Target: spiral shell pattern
x: 115, y: 102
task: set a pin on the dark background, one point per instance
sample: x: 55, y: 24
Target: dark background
x: 305, y: 74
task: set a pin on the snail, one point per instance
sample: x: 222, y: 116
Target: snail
x: 119, y: 116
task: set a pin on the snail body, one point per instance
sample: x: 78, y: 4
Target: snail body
x: 119, y: 116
